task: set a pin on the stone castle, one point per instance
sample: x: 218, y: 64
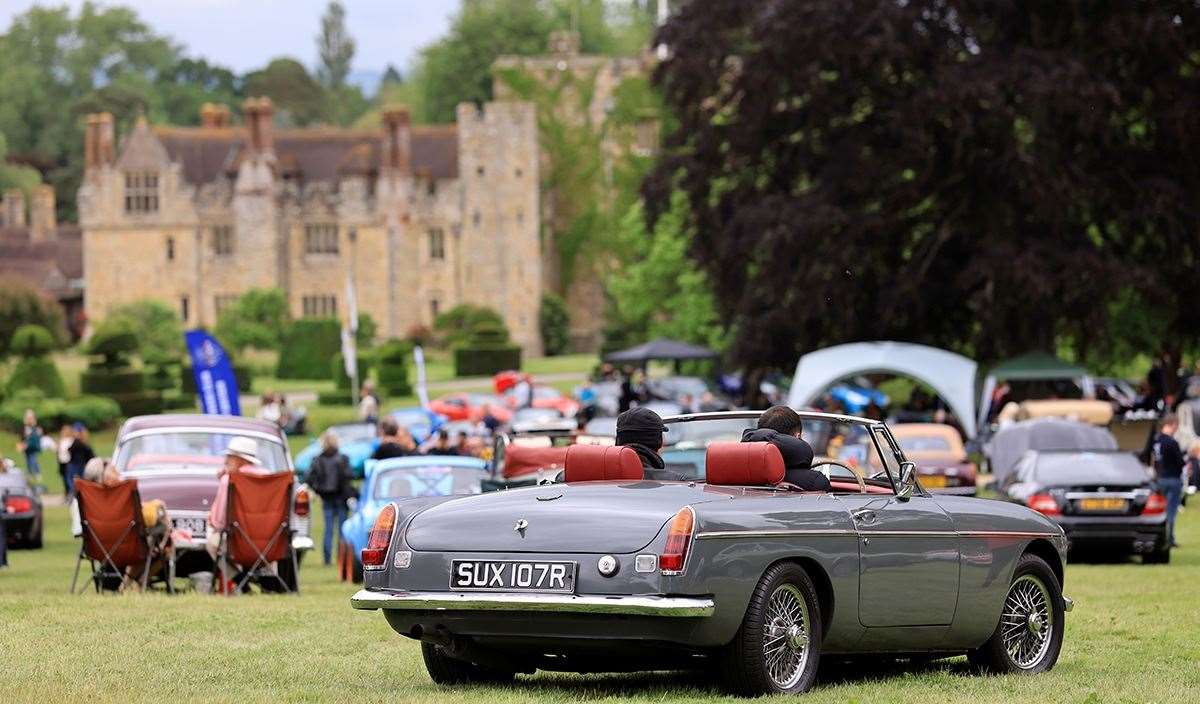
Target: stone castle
x: 421, y: 218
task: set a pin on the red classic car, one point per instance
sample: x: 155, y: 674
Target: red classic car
x: 470, y: 407
x: 175, y: 458
x: 937, y: 449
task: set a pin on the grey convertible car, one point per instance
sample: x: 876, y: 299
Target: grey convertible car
x: 742, y: 574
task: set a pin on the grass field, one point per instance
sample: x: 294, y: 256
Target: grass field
x: 1134, y: 637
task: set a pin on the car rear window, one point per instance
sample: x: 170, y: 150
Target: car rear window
x: 923, y: 443
x: 1089, y: 468
x: 405, y: 482
x: 192, y: 450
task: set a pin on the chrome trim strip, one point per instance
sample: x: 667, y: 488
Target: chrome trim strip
x: 1128, y: 495
x: 816, y: 532
x: 167, y: 430
x: 722, y: 534
x: 675, y: 607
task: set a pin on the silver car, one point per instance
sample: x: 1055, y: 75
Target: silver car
x: 741, y: 574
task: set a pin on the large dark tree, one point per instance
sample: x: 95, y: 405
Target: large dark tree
x: 979, y: 174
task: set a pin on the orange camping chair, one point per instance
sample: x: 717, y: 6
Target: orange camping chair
x: 114, y: 539
x: 258, y: 527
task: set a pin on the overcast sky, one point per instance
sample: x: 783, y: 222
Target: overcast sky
x: 246, y: 34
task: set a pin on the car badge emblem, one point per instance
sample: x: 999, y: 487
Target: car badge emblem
x: 550, y: 497
x: 522, y: 524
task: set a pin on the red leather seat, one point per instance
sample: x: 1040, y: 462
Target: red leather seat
x: 594, y: 463
x: 743, y: 464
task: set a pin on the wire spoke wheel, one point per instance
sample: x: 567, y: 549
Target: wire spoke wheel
x: 785, y: 639
x: 1027, y: 623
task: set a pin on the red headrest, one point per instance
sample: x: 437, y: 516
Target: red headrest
x: 593, y: 463
x: 743, y: 464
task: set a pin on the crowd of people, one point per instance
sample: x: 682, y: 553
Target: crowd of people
x: 72, y: 449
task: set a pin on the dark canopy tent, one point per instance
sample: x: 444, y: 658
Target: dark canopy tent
x: 660, y: 349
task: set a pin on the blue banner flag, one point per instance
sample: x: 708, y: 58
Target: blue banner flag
x: 215, y: 382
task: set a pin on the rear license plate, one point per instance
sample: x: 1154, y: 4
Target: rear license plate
x: 1103, y: 504
x: 512, y: 576
x: 195, y: 526
x: 933, y: 480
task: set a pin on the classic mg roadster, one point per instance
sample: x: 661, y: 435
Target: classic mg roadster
x: 741, y: 574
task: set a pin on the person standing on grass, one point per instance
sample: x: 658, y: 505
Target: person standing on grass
x: 80, y: 453
x: 1168, y: 468
x: 330, y: 477
x: 31, y: 445
x: 66, y: 436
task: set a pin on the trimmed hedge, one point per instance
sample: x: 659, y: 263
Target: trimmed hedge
x: 36, y: 373
x: 338, y: 367
x: 391, y: 367
x: 243, y: 373
x: 102, y: 381
x: 306, y: 348
x: 338, y: 397
x: 93, y: 411
x: 474, y: 361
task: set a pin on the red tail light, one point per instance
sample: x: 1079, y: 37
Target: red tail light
x: 379, y: 538
x: 18, y: 504
x: 679, y: 539
x: 1045, y: 504
x: 1155, y: 505
x: 302, y: 503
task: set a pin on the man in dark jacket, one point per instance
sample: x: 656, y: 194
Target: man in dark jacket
x: 390, y: 444
x: 781, y: 426
x: 330, y: 477
x: 1168, y: 467
x: 642, y: 429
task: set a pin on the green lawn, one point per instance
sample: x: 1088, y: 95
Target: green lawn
x: 1134, y: 637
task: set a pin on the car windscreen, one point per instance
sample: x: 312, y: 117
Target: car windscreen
x: 353, y: 432
x: 1069, y: 468
x: 431, y: 480
x: 924, y: 443
x: 699, y: 433
x: 174, y: 450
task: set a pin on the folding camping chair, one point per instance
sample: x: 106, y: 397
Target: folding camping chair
x: 114, y: 540
x: 258, y: 529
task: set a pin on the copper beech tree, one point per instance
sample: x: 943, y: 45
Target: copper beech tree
x: 985, y: 175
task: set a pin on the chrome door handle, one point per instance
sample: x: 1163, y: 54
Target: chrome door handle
x: 864, y: 516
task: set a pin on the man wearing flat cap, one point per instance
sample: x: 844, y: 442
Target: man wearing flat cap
x: 642, y: 429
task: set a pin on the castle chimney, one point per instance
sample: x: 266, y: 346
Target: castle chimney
x: 106, y: 140
x: 397, y: 137
x: 214, y: 115
x: 14, y: 207
x: 257, y: 113
x: 42, y: 220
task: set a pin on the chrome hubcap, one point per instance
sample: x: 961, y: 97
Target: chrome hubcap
x: 785, y: 637
x: 1028, y: 622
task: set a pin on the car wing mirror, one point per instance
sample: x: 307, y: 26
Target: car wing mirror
x: 908, y: 481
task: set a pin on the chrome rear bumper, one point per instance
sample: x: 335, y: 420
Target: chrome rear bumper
x: 676, y: 607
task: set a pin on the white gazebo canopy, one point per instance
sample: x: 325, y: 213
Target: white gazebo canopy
x: 950, y: 375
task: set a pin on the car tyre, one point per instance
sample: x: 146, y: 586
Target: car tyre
x: 1029, y: 636
x: 778, y: 646
x: 445, y: 670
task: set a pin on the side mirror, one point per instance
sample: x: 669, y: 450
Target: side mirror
x: 908, y: 481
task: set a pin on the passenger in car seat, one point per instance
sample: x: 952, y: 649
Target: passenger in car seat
x: 781, y: 426
x: 642, y: 429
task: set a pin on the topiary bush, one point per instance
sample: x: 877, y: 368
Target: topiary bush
x: 486, y: 352
x: 391, y: 367
x: 454, y: 327
x: 34, y: 370
x: 554, y: 322
x: 111, y: 372
x: 22, y: 304
x: 93, y: 411
x: 307, y: 347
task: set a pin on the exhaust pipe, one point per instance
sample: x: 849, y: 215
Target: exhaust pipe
x: 467, y: 649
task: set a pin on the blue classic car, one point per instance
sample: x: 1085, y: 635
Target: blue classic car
x: 742, y: 575
x: 357, y: 441
x: 394, y: 480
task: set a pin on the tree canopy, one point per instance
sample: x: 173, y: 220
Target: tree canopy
x: 956, y: 173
